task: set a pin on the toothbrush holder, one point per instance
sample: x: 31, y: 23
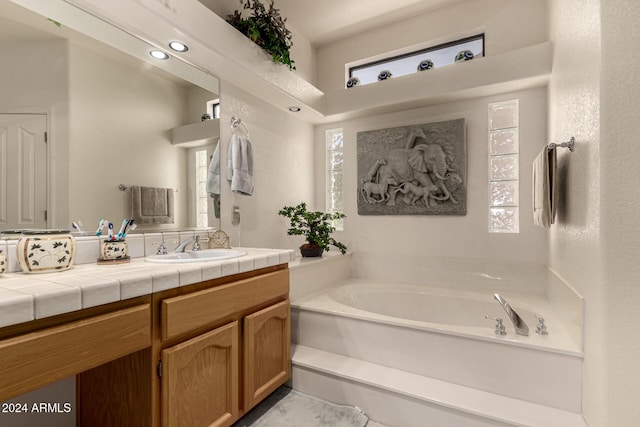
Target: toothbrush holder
x: 113, y: 251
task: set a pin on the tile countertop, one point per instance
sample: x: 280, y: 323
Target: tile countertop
x: 25, y: 297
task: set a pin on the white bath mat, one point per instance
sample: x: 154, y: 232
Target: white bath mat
x: 288, y: 408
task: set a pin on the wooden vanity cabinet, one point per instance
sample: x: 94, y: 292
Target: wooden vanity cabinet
x: 222, y: 349
x: 217, y: 349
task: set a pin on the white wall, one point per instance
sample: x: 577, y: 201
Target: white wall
x: 575, y: 251
x: 120, y: 119
x: 438, y: 238
x: 620, y: 196
x: 496, y: 18
x: 594, y: 247
x: 283, y: 169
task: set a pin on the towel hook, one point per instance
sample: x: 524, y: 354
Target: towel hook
x: 569, y: 144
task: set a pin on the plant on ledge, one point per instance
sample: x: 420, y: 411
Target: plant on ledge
x: 266, y: 28
x: 316, y: 227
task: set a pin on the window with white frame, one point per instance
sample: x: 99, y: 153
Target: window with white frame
x: 418, y: 60
x: 504, y: 167
x: 334, y: 164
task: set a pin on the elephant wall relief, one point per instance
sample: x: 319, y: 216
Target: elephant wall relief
x: 413, y: 170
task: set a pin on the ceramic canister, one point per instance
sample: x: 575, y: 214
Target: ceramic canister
x: 46, y: 251
x: 3, y: 263
x: 113, y: 250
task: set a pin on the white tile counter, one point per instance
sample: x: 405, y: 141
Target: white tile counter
x: 25, y: 297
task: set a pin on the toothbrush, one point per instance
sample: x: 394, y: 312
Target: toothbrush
x: 76, y: 226
x: 101, y: 225
x: 110, y: 231
x: 123, y: 228
x: 132, y: 227
x: 129, y: 224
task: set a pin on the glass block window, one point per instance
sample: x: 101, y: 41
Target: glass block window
x: 202, y: 167
x: 504, y: 174
x: 413, y: 62
x: 334, y: 165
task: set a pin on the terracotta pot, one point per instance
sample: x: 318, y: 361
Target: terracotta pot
x: 309, y: 250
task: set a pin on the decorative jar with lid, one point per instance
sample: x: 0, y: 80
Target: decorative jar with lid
x: 46, y: 251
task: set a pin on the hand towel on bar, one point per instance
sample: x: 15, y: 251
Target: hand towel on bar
x: 545, y: 198
x: 240, y: 165
x: 151, y: 205
x: 213, y: 176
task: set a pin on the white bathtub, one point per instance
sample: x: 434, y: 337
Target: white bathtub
x: 448, y: 311
x: 443, y: 333
x: 422, y: 304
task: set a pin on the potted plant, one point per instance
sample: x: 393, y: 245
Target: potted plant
x: 316, y: 227
x: 266, y: 28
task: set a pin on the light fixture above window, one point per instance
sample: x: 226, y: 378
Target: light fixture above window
x: 178, y: 46
x: 158, y: 54
x: 294, y: 109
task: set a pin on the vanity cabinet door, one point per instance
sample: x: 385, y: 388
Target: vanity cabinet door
x: 266, y: 347
x: 200, y: 380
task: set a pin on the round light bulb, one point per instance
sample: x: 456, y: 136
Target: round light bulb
x: 158, y: 54
x: 179, y: 46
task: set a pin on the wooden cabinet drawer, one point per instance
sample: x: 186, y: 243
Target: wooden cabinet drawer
x: 189, y: 312
x: 38, y: 358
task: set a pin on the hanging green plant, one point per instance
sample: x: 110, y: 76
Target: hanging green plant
x: 266, y: 28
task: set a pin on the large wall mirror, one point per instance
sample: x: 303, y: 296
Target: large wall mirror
x: 113, y: 121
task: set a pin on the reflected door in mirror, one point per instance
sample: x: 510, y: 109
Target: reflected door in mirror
x: 23, y: 171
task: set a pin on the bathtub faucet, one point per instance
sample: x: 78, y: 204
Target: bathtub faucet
x: 518, y: 323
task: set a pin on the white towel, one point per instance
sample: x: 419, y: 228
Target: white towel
x: 545, y: 198
x: 240, y: 165
x: 213, y: 176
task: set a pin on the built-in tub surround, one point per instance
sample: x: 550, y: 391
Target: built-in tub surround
x: 434, y: 334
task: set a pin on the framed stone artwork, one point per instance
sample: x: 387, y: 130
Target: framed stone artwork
x: 413, y: 170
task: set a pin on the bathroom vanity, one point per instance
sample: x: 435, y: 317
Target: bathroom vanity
x: 202, y: 353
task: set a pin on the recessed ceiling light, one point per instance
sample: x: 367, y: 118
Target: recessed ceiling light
x: 179, y: 46
x: 294, y: 109
x: 158, y: 54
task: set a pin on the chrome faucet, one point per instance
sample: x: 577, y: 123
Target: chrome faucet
x: 518, y: 323
x: 183, y: 244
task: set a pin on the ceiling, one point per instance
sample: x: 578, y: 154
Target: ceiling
x: 324, y: 21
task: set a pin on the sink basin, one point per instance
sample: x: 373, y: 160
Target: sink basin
x: 196, y: 256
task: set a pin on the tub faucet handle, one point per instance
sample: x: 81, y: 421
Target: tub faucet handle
x: 541, y: 328
x: 500, y: 329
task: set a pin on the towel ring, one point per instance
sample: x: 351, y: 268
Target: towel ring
x: 235, y: 122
